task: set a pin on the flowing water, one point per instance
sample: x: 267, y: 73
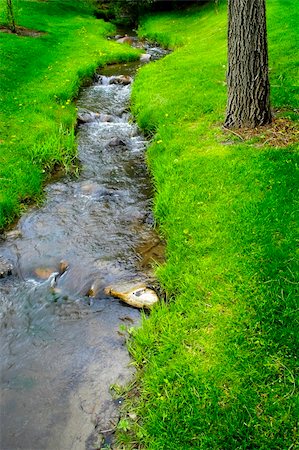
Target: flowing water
x: 62, y: 344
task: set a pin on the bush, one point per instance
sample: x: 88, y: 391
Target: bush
x: 129, y: 11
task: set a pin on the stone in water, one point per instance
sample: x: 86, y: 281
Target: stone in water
x: 5, y: 267
x: 145, y: 57
x: 44, y: 272
x: 139, y: 296
x: 63, y: 266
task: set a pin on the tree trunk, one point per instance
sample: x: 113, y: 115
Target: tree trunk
x: 11, y: 16
x: 248, y: 102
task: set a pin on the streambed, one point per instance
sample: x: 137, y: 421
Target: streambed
x: 62, y: 345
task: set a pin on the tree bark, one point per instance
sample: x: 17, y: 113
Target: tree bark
x: 11, y: 16
x: 248, y: 103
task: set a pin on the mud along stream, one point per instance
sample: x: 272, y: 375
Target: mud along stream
x: 61, y: 349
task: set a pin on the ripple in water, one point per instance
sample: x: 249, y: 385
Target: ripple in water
x: 61, y: 350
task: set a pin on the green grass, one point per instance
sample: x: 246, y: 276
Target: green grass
x: 39, y: 77
x: 217, y: 364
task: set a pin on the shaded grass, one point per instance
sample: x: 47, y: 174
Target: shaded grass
x: 39, y: 77
x: 217, y: 364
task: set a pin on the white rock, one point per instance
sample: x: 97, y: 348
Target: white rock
x: 125, y: 40
x: 121, y: 79
x: 145, y: 57
x: 138, y: 296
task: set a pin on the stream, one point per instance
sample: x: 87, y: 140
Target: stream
x: 62, y: 339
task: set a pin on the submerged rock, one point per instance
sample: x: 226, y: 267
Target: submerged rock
x: 5, y: 267
x: 54, y: 273
x: 138, y: 296
x: 13, y: 234
x: 105, y: 117
x: 84, y: 115
x: 125, y: 40
x: 145, y: 57
x: 95, y: 288
x: 44, y: 272
x: 121, y: 79
x: 158, y: 51
x: 117, y: 142
x: 63, y: 267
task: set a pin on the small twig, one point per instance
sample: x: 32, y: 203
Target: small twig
x: 233, y: 132
x: 107, y: 431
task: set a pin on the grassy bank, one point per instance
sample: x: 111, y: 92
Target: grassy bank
x: 39, y: 77
x: 217, y: 364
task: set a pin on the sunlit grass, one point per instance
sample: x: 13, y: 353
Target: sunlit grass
x: 39, y: 78
x: 218, y: 363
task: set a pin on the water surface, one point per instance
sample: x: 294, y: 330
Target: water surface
x: 61, y: 349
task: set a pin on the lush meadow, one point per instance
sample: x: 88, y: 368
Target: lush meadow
x: 39, y: 77
x: 217, y: 363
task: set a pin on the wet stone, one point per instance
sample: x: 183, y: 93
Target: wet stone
x: 13, y: 234
x: 145, y: 57
x: 151, y: 252
x: 105, y: 117
x: 125, y: 40
x: 44, y: 272
x: 121, y: 79
x: 5, y: 267
x: 116, y: 142
x: 62, y: 348
x: 85, y: 116
x: 63, y: 266
x: 95, y: 288
x: 139, y: 296
x: 97, y: 192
